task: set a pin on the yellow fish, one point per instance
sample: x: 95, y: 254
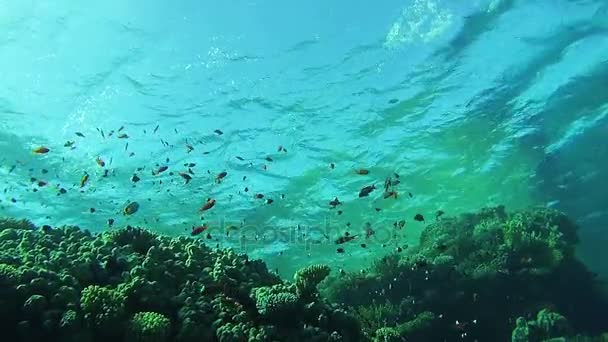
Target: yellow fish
x: 84, y: 179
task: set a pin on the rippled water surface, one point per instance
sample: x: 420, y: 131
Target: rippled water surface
x: 470, y: 103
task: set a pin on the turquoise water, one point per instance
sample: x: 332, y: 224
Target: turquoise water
x: 471, y: 103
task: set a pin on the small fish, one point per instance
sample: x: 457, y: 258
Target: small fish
x: 419, y: 218
x: 198, y: 230
x: 41, y: 150
x: 208, y: 205
x: 121, y: 128
x: 131, y: 208
x: 102, y: 135
x: 366, y: 191
x: 62, y: 191
x: 269, y: 201
x: 68, y: 143
x: 100, y: 162
x: 259, y: 196
x: 123, y: 136
x: 190, y: 165
x: 239, y: 158
x: 111, y: 133
x: 392, y: 101
x: 340, y: 250
x: 401, y: 223
x: 46, y: 228
x: 281, y: 149
x: 186, y: 177
x: 220, y: 176
x: 410, y: 194
x: 368, y: 230
x: 218, y: 132
x: 110, y: 222
x: 332, y: 166
x: 42, y: 183
x: 268, y: 159
x: 84, y: 179
x: 80, y: 134
x: 439, y: 214
x: 335, y: 202
x: 126, y: 146
x: 362, y: 172
x: 390, y: 194
x: 344, y: 239
x: 189, y: 148
x: 155, y: 128
x: 160, y: 170
x: 135, y: 179
x: 92, y: 210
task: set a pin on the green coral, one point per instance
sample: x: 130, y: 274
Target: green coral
x: 103, y: 308
x: 307, y: 279
x: 149, y: 327
x: 277, y: 301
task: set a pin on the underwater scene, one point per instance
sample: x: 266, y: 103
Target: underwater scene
x: 414, y: 170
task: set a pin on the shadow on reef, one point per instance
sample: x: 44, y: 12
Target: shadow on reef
x: 130, y: 284
x: 479, y: 277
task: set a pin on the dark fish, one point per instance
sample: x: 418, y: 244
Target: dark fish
x: 340, y: 250
x: 390, y: 194
x: 368, y: 230
x: 362, y: 172
x: 363, y: 245
x: 269, y: 201
x: 62, y: 191
x: 332, y: 166
x: 439, y: 214
x: 155, y: 129
x: 259, y: 196
x: 160, y: 170
x: 121, y: 128
x: 218, y: 132
x: 135, y: 179
x: 246, y: 189
x: 393, y: 101
x: 269, y: 159
x: 340, y: 212
x: 419, y: 218
x: 80, y: 134
x: 41, y: 150
x: 131, y: 208
x: 208, y: 205
x: 92, y: 210
x: 378, y: 209
x: 344, y: 239
x: 123, y: 136
x: 366, y: 190
x: 410, y: 194
x: 42, y: 183
x: 68, y: 143
x: 335, y: 202
x: 46, y: 228
x: 401, y: 223
x: 110, y: 222
x: 44, y: 171
x: 240, y: 158
x: 186, y: 177
x: 126, y: 146
x: 189, y: 148
x: 220, y: 176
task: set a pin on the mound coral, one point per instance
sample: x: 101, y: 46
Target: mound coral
x: 475, y: 272
x: 66, y: 284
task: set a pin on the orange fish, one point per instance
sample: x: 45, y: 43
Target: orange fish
x: 41, y: 150
x: 210, y: 203
x: 100, y: 162
x: 362, y: 172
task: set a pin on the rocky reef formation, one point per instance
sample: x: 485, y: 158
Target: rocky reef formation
x: 67, y: 284
x: 479, y: 277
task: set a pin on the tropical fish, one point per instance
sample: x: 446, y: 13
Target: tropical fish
x: 208, y: 205
x: 198, y: 230
x: 220, y: 176
x: 131, y: 208
x: 160, y: 170
x: 362, y: 172
x: 185, y: 176
x: 335, y: 202
x: 100, y: 162
x: 419, y: 218
x: 41, y: 150
x: 84, y: 179
x: 366, y: 190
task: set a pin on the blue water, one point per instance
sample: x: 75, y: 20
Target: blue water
x: 471, y: 103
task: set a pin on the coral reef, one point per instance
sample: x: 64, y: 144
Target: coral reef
x: 66, y: 284
x: 471, y: 276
